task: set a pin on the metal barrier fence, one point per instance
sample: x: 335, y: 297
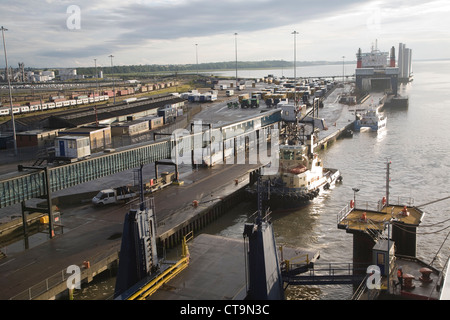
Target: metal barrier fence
x: 43, y: 286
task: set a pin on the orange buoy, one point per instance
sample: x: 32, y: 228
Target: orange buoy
x: 384, y: 201
x: 352, y: 204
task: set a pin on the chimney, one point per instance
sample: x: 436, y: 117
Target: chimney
x: 359, y: 59
x: 392, y: 64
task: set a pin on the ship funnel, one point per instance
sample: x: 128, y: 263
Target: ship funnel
x: 392, y: 61
x: 359, y: 59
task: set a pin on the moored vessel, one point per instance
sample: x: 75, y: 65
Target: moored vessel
x: 370, y: 120
x: 301, y: 175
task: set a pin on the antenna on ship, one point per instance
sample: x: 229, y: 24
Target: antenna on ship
x: 388, y: 163
x: 295, y: 33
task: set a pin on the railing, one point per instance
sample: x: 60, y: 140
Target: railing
x: 375, y: 231
x: 290, y: 265
x: 43, y: 286
x: 372, y: 205
x: 343, y: 213
x: 336, y: 273
x: 401, y: 201
x: 360, y: 290
x: 151, y: 287
x: 62, y: 277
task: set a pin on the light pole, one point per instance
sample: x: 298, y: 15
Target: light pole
x: 295, y: 33
x: 196, y: 56
x: 96, y: 77
x: 114, y: 81
x: 235, y: 49
x: 343, y: 72
x: 10, y: 93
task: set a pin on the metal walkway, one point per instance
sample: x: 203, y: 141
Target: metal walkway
x: 326, y: 274
x: 32, y: 184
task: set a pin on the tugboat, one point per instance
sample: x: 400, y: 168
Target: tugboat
x: 301, y: 175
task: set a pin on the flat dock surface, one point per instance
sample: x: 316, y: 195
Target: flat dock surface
x: 354, y: 220
x: 216, y: 271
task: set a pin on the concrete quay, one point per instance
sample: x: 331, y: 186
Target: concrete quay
x: 92, y: 236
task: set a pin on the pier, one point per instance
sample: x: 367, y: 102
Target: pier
x: 91, y: 238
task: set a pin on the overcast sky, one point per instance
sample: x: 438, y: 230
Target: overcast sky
x: 59, y: 33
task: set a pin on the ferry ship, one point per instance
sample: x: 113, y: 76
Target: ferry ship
x: 371, y: 120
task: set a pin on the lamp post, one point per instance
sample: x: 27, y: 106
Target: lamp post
x: 96, y: 77
x: 196, y: 56
x: 10, y: 93
x: 343, y: 72
x: 295, y: 33
x: 114, y: 81
x: 235, y: 49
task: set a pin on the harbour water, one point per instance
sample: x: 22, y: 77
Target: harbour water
x: 416, y: 143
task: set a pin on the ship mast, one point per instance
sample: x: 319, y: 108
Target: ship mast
x: 388, y: 163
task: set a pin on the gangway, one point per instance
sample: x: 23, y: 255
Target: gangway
x: 325, y: 274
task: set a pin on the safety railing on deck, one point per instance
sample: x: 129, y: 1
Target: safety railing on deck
x: 343, y: 213
x: 372, y: 205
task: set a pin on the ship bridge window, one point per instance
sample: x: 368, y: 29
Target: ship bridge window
x: 288, y: 155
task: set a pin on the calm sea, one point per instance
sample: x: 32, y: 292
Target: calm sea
x: 416, y: 141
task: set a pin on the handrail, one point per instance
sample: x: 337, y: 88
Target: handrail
x: 288, y: 262
x: 343, y: 213
x: 360, y: 290
x: 333, y: 269
x: 57, y: 279
x: 167, y: 275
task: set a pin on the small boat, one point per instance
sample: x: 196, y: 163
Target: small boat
x: 371, y: 120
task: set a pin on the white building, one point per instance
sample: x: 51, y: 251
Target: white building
x: 68, y: 74
x: 404, y: 61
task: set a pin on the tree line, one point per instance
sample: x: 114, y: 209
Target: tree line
x: 155, y: 68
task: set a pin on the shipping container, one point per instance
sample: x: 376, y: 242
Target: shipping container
x: 168, y: 114
x: 72, y: 147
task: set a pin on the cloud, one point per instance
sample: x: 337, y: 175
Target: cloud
x: 165, y: 31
